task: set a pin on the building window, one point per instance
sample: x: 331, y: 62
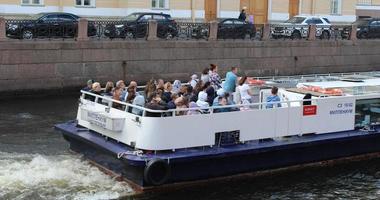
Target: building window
x: 32, y: 2
x: 85, y: 3
x: 336, y: 7
x: 160, y: 4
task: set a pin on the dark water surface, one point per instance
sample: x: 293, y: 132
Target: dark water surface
x: 35, y: 164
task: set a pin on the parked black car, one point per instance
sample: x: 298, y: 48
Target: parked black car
x: 235, y: 29
x: 135, y: 25
x: 366, y: 28
x: 42, y: 25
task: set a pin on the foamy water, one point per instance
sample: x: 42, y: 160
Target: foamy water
x: 34, y: 176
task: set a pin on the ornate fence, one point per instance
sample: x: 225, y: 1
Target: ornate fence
x: 117, y: 29
x: 183, y: 31
x: 299, y: 32
x: 111, y: 29
x: 32, y: 29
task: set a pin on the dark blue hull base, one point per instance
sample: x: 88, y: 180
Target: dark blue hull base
x: 108, y: 161
x: 204, y: 164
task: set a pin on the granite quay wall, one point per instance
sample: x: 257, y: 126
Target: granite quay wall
x: 29, y: 66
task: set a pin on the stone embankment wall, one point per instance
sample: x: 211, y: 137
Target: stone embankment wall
x: 63, y: 65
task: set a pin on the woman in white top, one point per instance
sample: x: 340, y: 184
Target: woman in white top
x: 245, y: 91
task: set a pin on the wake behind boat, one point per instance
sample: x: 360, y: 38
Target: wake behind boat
x: 318, y: 118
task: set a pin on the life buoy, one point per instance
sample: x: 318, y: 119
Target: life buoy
x: 252, y: 81
x: 329, y: 91
x: 334, y: 92
x: 157, y: 172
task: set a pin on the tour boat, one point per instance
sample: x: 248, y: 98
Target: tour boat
x: 174, y: 148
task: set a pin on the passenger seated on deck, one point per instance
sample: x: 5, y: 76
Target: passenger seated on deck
x: 194, y: 80
x: 150, y: 87
x: 194, y: 111
x: 307, y: 96
x: 155, y: 103
x: 89, y: 86
x: 219, y: 93
x: 182, y: 90
x: 108, y: 90
x: 222, y: 101
x: 187, y: 91
x: 121, y: 84
x: 181, y: 102
x: 116, y: 96
x: 210, y: 95
x: 96, y: 89
x: 196, y: 90
x: 134, y: 84
x: 160, y: 84
x: 138, y: 101
x: 131, y: 94
x: 210, y: 91
x: 176, y: 86
x: 202, y: 100
x: 272, y: 99
x: 171, y: 104
x: 167, y: 95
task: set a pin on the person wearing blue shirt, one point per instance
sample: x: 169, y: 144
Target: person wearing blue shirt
x: 231, y: 80
x: 222, y: 101
x: 272, y: 99
x: 89, y: 86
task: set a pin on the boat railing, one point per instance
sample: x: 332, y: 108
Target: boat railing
x: 212, y: 109
x: 317, y: 75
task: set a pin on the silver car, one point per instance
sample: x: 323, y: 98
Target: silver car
x: 298, y: 27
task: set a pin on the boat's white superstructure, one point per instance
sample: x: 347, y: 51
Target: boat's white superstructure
x: 326, y: 117
x: 253, y: 122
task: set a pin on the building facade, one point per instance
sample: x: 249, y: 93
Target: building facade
x: 261, y: 11
x: 368, y: 8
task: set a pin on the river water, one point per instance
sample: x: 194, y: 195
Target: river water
x: 35, y: 164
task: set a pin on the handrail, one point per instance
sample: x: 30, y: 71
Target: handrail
x: 212, y: 108
x: 316, y: 75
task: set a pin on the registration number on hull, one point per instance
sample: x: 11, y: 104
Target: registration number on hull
x: 97, y: 119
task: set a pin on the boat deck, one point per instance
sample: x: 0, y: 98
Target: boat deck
x: 72, y: 130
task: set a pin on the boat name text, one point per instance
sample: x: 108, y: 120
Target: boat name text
x: 343, y: 108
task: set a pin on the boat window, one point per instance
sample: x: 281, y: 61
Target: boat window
x: 367, y: 112
x: 361, y: 90
x: 227, y: 138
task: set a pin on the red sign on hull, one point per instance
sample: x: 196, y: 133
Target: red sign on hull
x: 309, y: 110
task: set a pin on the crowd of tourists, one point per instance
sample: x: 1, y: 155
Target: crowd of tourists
x: 199, y: 94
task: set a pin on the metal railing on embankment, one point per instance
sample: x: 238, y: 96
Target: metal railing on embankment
x: 117, y: 29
